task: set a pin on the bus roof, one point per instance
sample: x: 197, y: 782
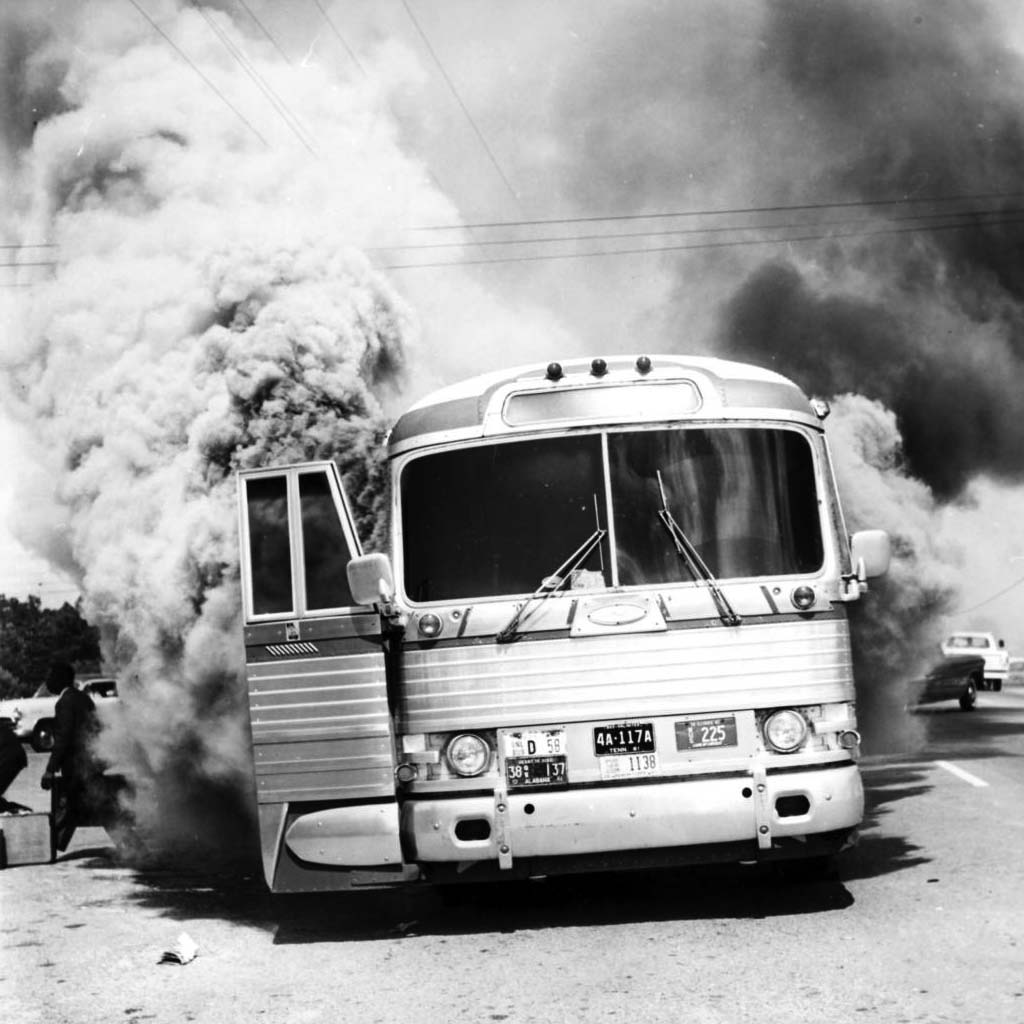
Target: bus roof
x: 587, y: 392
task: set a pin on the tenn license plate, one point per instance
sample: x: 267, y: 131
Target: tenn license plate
x: 705, y: 733
x: 627, y: 738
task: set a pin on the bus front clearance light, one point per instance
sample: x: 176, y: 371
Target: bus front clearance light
x: 785, y: 731
x: 467, y: 754
x: 802, y: 598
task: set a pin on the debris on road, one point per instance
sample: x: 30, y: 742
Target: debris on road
x: 182, y: 953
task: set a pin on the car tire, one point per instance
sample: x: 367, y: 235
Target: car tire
x: 42, y: 737
x: 969, y: 697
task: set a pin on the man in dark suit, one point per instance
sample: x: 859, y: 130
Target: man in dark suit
x: 72, y: 761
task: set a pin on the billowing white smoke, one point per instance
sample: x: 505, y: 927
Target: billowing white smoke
x: 209, y: 309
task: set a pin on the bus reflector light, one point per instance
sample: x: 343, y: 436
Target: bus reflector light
x: 467, y: 754
x: 785, y: 731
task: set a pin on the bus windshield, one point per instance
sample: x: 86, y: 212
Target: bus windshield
x: 493, y: 520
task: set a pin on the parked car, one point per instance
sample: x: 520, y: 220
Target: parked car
x: 957, y: 678
x: 997, y: 657
x: 34, y: 715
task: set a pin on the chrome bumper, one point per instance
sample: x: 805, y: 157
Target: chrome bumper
x: 699, y: 811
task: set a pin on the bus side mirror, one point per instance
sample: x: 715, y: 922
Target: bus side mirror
x: 871, y: 551
x: 371, y: 580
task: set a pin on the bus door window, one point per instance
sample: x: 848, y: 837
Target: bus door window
x: 325, y: 551
x: 270, y: 558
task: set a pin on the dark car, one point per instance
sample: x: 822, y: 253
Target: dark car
x: 956, y: 678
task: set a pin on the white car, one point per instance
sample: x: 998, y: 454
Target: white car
x: 997, y: 657
x: 33, y: 716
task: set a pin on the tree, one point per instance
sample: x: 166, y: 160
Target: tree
x: 32, y: 636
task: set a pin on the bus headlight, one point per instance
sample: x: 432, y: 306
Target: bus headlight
x: 467, y: 754
x: 785, y: 731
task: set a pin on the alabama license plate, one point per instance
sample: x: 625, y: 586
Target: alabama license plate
x: 627, y: 738
x: 536, y: 772
x: 535, y: 758
x: 705, y: 733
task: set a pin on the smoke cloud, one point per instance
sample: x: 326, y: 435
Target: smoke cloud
x: 209, y: 309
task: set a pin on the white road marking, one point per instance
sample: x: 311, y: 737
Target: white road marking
x: 961, y: 774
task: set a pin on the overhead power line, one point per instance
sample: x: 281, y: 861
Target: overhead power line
x: 973, y: 216
x: 195, y: 67
x: 341, y: 39
x: 259, y: 24
x: 651, y: 250
x: 721, y: 212
x: 249, y: 68
x: 990, y: 598
x: 458, y: 99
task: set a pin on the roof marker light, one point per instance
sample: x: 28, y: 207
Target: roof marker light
x: 643, y: 364
x: 598, y: 367
x: 821, y: 408
x: 554, y: 371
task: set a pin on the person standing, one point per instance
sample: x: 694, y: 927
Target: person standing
x: 71, y: 760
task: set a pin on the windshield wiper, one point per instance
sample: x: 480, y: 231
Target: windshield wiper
x: 691, y: 558
x: 550, y: 584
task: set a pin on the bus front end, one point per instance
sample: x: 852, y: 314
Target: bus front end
x: 618, y: 622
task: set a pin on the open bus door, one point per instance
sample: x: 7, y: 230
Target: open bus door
x: 323, y: 739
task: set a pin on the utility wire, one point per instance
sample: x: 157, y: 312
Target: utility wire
x: 341, y: 39
x: 458, y: 99
x: 181, y: 53
x: 720, y: 212
x: 259, y: 24
x: 247, y: 66
x: 697, y: 245
x: 990, y: 598
x: 31, y: 245
x: 788, y: 226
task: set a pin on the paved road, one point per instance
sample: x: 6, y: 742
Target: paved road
x: 923, y: 925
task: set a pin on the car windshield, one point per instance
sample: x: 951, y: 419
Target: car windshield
x: 496, y: 519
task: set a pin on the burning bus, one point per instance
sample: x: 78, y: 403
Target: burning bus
x: 611, y: 632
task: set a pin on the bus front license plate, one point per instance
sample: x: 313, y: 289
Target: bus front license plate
x: 704, y: 733
x: 628, y: 738
x: 536, y: 772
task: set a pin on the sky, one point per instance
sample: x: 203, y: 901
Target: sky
x: 246, y: 232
